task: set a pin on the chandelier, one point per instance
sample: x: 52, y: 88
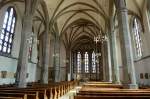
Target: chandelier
x: 100, y: 38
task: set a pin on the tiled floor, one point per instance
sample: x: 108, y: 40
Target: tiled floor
x: 71, y: 93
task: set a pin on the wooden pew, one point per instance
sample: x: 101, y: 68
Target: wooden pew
x: 3, y: 97
x: 94, y: 82
x: 30, y: 94
x: 103, y: 86
x: 113, y: 94
x: 39, y: 91
x: 110, y: 97
x: 15, y: 95
x: 110, y: 91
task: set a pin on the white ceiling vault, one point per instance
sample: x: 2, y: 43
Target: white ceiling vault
x: 78, y: 21
x: 66, y: 12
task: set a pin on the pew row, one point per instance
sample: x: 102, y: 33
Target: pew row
x: 38, y: 91
x: 110, y: 91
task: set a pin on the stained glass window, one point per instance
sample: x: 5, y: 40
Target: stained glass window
x: 7, y: 32
x: 79, y: 62
x: 86, y: 58
x: 137, y: 37
x: 93, y: 63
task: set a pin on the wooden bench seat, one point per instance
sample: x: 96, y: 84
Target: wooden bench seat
x: 42, y: 92
x: 103, y: 86
x: 110, y: 97
x: 114, y: 94
x: 92, y: 82
x: 39, y: 91
x: 110, y: 91
x: 33, y: 93
x: 18, y: 95
x: 3, y: 97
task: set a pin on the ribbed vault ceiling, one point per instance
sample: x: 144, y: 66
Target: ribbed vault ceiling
x: 80, y: 34
x: 78, y: 21
x: 67, y: 11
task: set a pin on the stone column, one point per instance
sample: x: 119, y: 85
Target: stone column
x: 74, y: 66
x: 82, y: 65
x: 68, y: 64
x: 109, y: 56
x: 21, y: 72
x: 104, y: 62
x: 114, y: 52
x: 101, y: 68
x: 23, y: 54
x: 99, y: 71
x: 90, y: 64
x: 45, y: 67
x: 46, y: 48
x: 71, y: 65
x: 57, y: 59
x: 126, y: 47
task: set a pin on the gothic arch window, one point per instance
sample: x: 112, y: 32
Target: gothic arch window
x: 86, y: 62
x: 137, y: 37
x: 7, y: 31
x: 93, y: 63
x: 79, y: 62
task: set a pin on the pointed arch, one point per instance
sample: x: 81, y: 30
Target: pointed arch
x: 8, y: 30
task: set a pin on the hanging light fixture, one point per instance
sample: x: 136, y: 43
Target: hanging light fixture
x: 101, y: 39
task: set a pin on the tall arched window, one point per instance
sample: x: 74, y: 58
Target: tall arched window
x: 7, y: 32
x: 86, y: 62
x: 93, y: 63
x: 79, y: 62
x: 137, y: 37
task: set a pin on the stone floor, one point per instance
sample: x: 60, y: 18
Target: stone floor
x: 71, y: 93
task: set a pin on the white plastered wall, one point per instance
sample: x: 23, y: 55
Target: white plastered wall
x: 9, y: 64
x: 142, y: 66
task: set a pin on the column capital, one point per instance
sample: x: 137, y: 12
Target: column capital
x: 123, y: 9
x: 121, y: 6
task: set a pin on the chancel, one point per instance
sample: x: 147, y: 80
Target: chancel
x: 74, y: 49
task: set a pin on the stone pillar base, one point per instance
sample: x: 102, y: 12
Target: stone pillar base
x: 116, y: 82
x: 130, y: 86
x: 109, y: 80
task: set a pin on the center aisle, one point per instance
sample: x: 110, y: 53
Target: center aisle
x: 71, y: 93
